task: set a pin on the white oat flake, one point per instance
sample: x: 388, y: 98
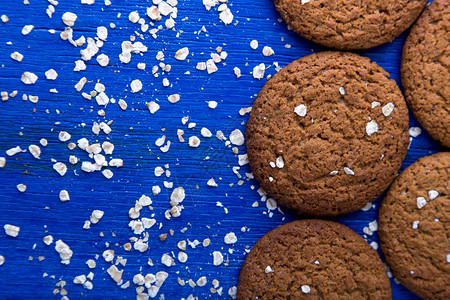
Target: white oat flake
x: 29, y: 78
x: 371, y: 128
x: 348, y: 171
x: 421, y: 202
x: 388, y: 109
x: 182, y: 53
x: 11, y: 230
x: 300, y: 110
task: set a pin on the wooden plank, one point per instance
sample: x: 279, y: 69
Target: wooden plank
x: 39, y: 212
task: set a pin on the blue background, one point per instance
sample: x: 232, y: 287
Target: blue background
x: 134, y: 133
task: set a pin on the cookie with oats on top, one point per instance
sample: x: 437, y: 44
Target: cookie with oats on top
x: 327, y: 134
x: 426, y: 70
x: 351, y: 24
x: 313, y: 259
x: 414, y: 226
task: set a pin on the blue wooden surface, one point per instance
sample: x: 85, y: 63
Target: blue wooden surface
x: 134, y: 133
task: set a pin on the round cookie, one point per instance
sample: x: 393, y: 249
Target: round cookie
x: 414, y: 226
x: 313, y: 259
x: 426, y: 70
x: 328, y: 133
x: 352, y: 24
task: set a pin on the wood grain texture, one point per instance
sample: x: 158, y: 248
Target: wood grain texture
x: 134, y: 133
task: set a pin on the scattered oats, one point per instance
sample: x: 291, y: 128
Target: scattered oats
x: 43, y: 142
x: 225, y: 16
x: 268, y: 51
x: 232, y: 292
x: 64, y: 252
x: 271, y: 204
x: 153, y: 107
x: 60, y: 168
x: 64, y: 196
x: 167, y: 260
x: 217, y: 258
x: 80, y: 279
x: 14, y: 151
x: 64, y: 136
x: 136, y: 86
x: 108, y: 147
x: 348, y: 171
x: 433, y: 194
x: 194, y: 141
x: 237, y: 72
x: 159, y: 171
x: 105, y: 127
x: 48, y: 240
x: 73, y: 159
x: 51, y: 74
x: 102, y: 33
x: 254, y: 44
x: 421, y: 202
x: 103, y: 60
x: 96, y: 217
x: 448, y: 258
x: 237, y: 138
x: 174, y: 98
x: 202, y: 281
x: 205, y: 132
x: 79, y: 86
x: 258, y: 71
x: 182, y: 53
x: 212, y: 182
x: 2, y: 162
x: 415, y: 225
x: 79, y: 66
x: 182, y: 257
x: 21, y: 187
x: 305, y: 288
x: 35, y: 151
x: 17, y: 56
x: 4, y: 18
x: 90, y: 51
x: 415, y: 131
x: 108, y: 255
x: 388, y: 109
x: 27, y: 29
x: 201, y: 66
x: 156, y: 190
x: 242, y: 159
x: 177, y: 196
x: 301, y: 110
x: 29, y: 78
x: 116, y: 162
x: 371, y: 128
x: 230, y: 238
x: 4, y: 96
x: 342, y: 90
x: 212, y: 104
x: 211, y: 66
x: 33, y: 99
x: 268, y: 270
x: 375, y: 104
x: 11, y: 230
x: 69, y: 18
x: 115, y: 274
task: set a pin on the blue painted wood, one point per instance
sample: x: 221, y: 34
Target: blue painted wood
x: 39, y: 212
